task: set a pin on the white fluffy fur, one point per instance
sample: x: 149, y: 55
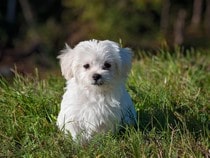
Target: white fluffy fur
x: 95, y: 106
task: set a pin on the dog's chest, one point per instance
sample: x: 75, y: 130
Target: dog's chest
x: 100, y: 114
x: 95, y: 111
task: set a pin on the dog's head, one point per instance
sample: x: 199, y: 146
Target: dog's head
x: 96, y: 63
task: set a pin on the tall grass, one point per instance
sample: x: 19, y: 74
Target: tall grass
x: 171, y: 93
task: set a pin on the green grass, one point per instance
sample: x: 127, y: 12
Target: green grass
x: 170, y: 92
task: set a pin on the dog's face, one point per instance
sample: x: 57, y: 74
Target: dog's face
x: 96, y: 63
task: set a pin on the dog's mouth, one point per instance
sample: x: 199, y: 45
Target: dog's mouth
x: 97, y: 83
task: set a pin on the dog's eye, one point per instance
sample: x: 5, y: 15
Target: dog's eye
x: 86, y: 66
x: 106, y: 66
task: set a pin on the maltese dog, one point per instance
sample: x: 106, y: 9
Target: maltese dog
x: 95, y: 100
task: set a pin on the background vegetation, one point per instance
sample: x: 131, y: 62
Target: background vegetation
x: 32, y: 32
x: 145, y: 24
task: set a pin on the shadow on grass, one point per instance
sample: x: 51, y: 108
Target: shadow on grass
x: 166, y: 119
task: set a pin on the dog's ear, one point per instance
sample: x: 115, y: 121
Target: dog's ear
x: 66, y: 60
x: 126, y: 58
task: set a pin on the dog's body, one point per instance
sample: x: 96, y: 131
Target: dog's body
x: 95, y: 100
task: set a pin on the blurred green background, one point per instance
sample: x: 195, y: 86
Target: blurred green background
x: 33, y: 31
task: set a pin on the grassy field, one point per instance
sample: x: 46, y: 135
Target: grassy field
x: 171, y: 94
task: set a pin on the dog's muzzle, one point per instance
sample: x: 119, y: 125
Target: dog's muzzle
x: 97, y: 79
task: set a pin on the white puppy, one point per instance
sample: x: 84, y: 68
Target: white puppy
x: 95, y: 100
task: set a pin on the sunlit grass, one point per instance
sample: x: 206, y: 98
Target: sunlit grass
x: 171, y: 94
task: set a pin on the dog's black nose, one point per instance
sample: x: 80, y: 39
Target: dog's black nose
x: 96, y: 77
